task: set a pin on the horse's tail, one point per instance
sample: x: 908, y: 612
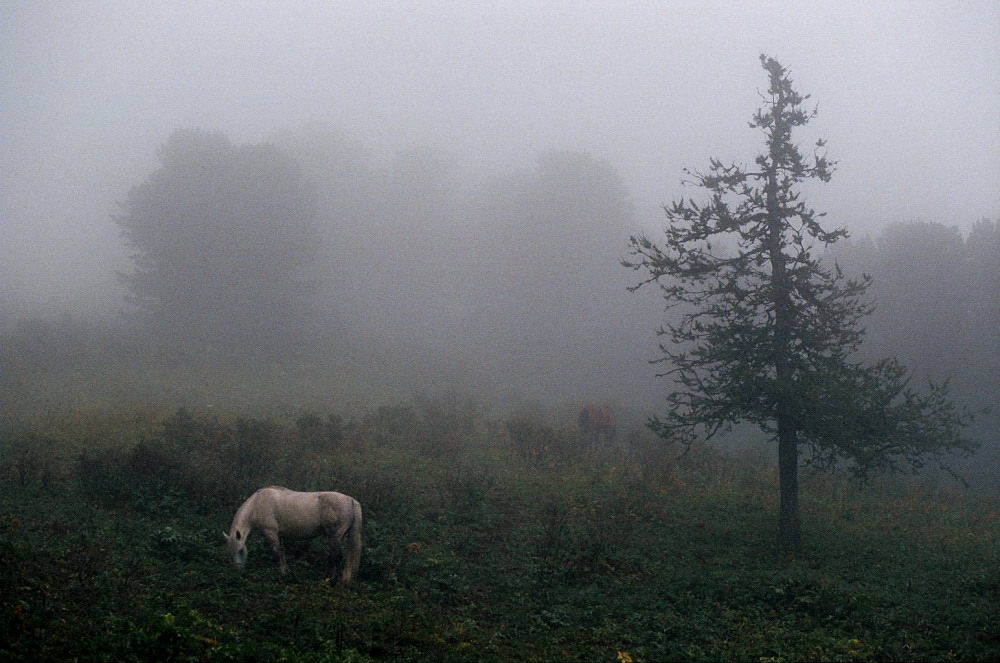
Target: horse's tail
x: 354, y: 543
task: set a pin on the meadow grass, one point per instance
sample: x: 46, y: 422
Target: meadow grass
x: 484, y: 541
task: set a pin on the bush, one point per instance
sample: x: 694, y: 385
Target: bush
x: 105, y: 476
x: 195, y: 461
x: 478, y: 556
x: 447, y: 424
x: 28, y: 462
x: 435, y: 428
x: 254, y: 452
x: 317, y: 434
x: 185, y: 431
x: 538, y: 443
x: 391, y: 425
x: 148, y: 476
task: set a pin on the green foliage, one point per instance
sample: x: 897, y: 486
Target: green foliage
x: 871, y: 419
x: 198, y: 461
x: 490, y: 556
x: 27, y: 461
x: 538, y: 442
x: 318, y: 434
x: 767, y: 331
x: 939, y: 312
x: 761, y: 314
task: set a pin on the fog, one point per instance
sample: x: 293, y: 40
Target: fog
x: 458, y: 132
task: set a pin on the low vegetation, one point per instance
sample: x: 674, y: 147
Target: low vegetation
x: 484, y: 541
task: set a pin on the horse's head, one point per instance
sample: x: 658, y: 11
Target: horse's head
x: 236, y: 546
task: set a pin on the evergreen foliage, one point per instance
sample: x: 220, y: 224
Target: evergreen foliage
x: 767, y: 332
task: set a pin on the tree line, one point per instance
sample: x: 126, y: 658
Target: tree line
x: 307, y: 248
x: 937, y: 300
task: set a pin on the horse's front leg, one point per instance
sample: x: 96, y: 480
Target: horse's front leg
x: 279, y: 550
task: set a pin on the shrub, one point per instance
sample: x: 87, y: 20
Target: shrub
x: 317, y: 434
x: 538, y: 442
x: 195, y: 461
x: 27, y: 461
x: 391, y: 425
x: 104, y: 475
x: 254, y: 452
x: 447, y: 424
x: 434, y: 428
x: 149, y: 476
x: 186, y: 431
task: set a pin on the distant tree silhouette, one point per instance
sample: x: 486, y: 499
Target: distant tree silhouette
x: 938, y: 301
x: 223, y: 235
x: 983, y: 251
x: 922, y: 292
x: 544, y: 284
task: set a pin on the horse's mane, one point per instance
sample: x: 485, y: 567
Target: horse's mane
x: 239, y: 518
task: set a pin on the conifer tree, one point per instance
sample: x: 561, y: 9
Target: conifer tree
x: 766, y: 331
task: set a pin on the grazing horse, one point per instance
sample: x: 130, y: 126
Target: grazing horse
x: 595, y: 421
x: 280, y: 513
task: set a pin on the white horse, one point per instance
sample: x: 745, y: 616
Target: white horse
x: 281, y: 513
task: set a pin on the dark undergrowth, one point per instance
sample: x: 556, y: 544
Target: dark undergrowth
x: 484, y: 541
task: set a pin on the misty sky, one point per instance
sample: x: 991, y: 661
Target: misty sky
x: 908, y: 94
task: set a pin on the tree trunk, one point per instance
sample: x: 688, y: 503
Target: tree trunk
x: 788, y: 451
x: 789, y: 531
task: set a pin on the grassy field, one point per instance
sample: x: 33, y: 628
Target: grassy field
x: 484, y: 541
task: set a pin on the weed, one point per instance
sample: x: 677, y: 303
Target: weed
x: 526, y: 550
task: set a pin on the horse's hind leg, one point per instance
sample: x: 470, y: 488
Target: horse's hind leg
x: 335, y: 555
x: 353, y: 542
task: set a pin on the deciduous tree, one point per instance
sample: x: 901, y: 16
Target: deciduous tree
x: 222, y: 236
